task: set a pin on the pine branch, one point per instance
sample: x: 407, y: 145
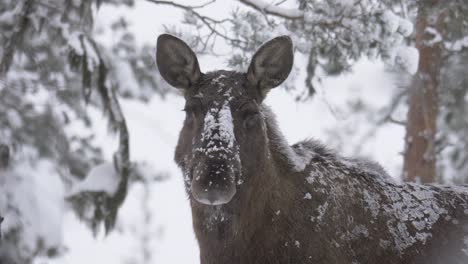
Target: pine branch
x: 15, y: 39
x: 106, y: 206
x: 122, y: 156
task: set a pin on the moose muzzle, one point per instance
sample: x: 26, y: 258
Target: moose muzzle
x: 214, y: 182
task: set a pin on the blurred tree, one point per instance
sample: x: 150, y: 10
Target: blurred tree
x: 49, y: 59
x: 51, y: 56
x: 436, y: 94
x: 421, y: 125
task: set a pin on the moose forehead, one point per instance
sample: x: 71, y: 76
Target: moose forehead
x: 220, y: 92
x: 218, y: 87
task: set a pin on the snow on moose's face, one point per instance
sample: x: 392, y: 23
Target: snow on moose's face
x: 211, y: 139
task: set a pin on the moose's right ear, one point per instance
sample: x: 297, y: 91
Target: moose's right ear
x: 177, y: 63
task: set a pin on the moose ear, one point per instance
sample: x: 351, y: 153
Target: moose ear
x: 271, y: 64
x: 177, y: 63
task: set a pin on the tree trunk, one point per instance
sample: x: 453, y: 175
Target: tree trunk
x: 421, y: 128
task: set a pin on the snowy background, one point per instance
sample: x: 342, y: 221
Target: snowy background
x: 154, y: 130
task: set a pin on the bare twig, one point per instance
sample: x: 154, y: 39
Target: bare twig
x: 386, y: 117
x: 209, y: 22
x: 203, y: 5
x: 388, y: 112
x: 398, y: 122
x: 280, y: 3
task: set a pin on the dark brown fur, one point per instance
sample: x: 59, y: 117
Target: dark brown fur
x: 304, y: 203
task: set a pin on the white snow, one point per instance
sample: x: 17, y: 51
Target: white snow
x: 392, y: 21
x: 74, y: 42
x: 272, y: 8
x: 220, y: 121
x: 457, y: 45
x: 218, y: 136
x: 149, y: 172
x: 436, y: 36
x: 102, y: 178
x: 407, y: 58
x: 420, y: 209
x: 14, y: 119
x: 8, y: 17
x: 31, y: 200
x: 125, y: 77
x: 405, y: 27
x: 321, y: 210
x: 307, y: 196
x: 223, y: 124
x: 405, y: 206
x: 372, y: 203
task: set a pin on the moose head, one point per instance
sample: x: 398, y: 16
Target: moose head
x: 223, y: 140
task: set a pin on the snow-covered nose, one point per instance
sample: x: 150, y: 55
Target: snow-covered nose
x: 218, y: 158
x: 216, y: 185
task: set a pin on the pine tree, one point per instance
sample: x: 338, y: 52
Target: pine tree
x: 52, y: 67
x: 440, y: 37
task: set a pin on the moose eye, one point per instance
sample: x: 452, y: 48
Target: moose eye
x: 189, y: 117
x: 251, y: 119
x: 193, y: 106
x: 192, y: 109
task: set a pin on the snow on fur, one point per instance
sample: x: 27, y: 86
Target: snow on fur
x: 218, y: 129
x: 409, y: 211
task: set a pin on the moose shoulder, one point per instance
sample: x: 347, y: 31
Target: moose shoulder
x: 255, y: 199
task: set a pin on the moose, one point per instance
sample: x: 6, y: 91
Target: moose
x: 256, y: 199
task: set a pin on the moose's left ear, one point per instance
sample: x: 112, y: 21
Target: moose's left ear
x: 271, y: 64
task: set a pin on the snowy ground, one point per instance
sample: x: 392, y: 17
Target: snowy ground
x: 154, y: 130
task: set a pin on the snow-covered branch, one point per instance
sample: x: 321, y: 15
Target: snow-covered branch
x: 104, y: 199
x: 275, y: 10
x: 19, y: 31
